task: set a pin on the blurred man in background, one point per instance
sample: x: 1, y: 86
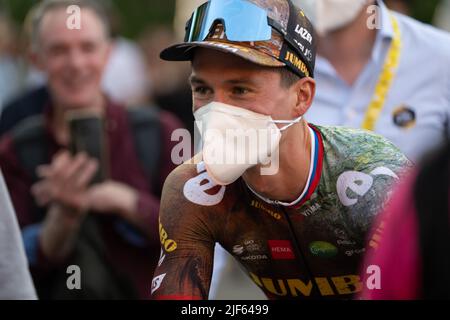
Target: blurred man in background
x: 10, y: 71
x: 126, y: 58
x: 108, y: 229
x: 381, y: 71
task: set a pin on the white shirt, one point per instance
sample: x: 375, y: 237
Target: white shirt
x: 416, y: 113
x: 15, y: 278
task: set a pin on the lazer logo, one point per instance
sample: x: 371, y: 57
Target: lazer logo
x: 304, y: 33
x: 326, y: 286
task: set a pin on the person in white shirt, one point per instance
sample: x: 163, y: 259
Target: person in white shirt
x: 381, y: 71
x: 15, y: 278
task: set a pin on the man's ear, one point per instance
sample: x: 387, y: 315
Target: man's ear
x: 306, y: 90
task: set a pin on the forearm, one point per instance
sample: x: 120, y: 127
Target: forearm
x: 59, y: 232
x: 142, y: 213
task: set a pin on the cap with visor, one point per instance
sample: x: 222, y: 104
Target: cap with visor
x: 272, y: 33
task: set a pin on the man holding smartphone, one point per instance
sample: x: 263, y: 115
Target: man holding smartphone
x: 109, y: 229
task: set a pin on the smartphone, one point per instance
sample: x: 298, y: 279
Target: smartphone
x: 87, y: 134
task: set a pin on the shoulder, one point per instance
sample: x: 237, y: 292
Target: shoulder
x: 357, y: 140
x: 169, y: 120
x: 6, y: 146
x: 28, y: 132
x: 424, y: 36
x: 37, y: 96
x: 10, y: 163
x: 192, y: 204
x: 362, y: 151
x: 428, y: 52
x: 151, y: 115
x: 30, y: 103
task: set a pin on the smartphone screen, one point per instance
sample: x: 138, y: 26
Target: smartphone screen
x: 87, y: 134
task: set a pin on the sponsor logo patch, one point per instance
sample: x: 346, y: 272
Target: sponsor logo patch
x: 281, y: 249
x: 323, y: 249
x: 404, y: 117
x: 156, y: 282
x: 249, y: 250
x: 259, y: 205
x: 169, y: 245
x: 296, y: 287
x: 296, y: 62
x: 195, y: 189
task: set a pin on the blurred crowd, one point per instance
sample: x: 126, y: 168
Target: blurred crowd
x: 110, y: 228
x: 85, y: 186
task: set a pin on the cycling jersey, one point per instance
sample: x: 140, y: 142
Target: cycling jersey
x: 310, y: 249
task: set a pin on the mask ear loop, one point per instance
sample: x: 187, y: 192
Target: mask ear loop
x: 290, y: 122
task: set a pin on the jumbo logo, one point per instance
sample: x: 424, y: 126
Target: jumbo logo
x: 297, y: 62
x: 258, y: 205
x: 169, y: 245
x: 326, y: 286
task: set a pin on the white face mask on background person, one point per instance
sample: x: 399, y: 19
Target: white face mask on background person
x: 330, y: 15
x: 235, y: 139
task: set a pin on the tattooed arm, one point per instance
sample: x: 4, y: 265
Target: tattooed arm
x: 188, y: 227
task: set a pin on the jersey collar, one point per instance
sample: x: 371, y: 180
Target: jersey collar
x: 314, y: 175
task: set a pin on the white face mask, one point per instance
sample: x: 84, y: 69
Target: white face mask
x: 236, y: 139
x: 330, y: 15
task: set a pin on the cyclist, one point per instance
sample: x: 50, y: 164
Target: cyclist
x: 299, y: 230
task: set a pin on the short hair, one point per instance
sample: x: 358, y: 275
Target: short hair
x: 288, y: 78
x: 37, y: 14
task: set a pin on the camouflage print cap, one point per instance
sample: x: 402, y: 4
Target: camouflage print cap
x: 292, y: 43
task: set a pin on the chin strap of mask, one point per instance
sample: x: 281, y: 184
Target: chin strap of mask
x: 289, y: 123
